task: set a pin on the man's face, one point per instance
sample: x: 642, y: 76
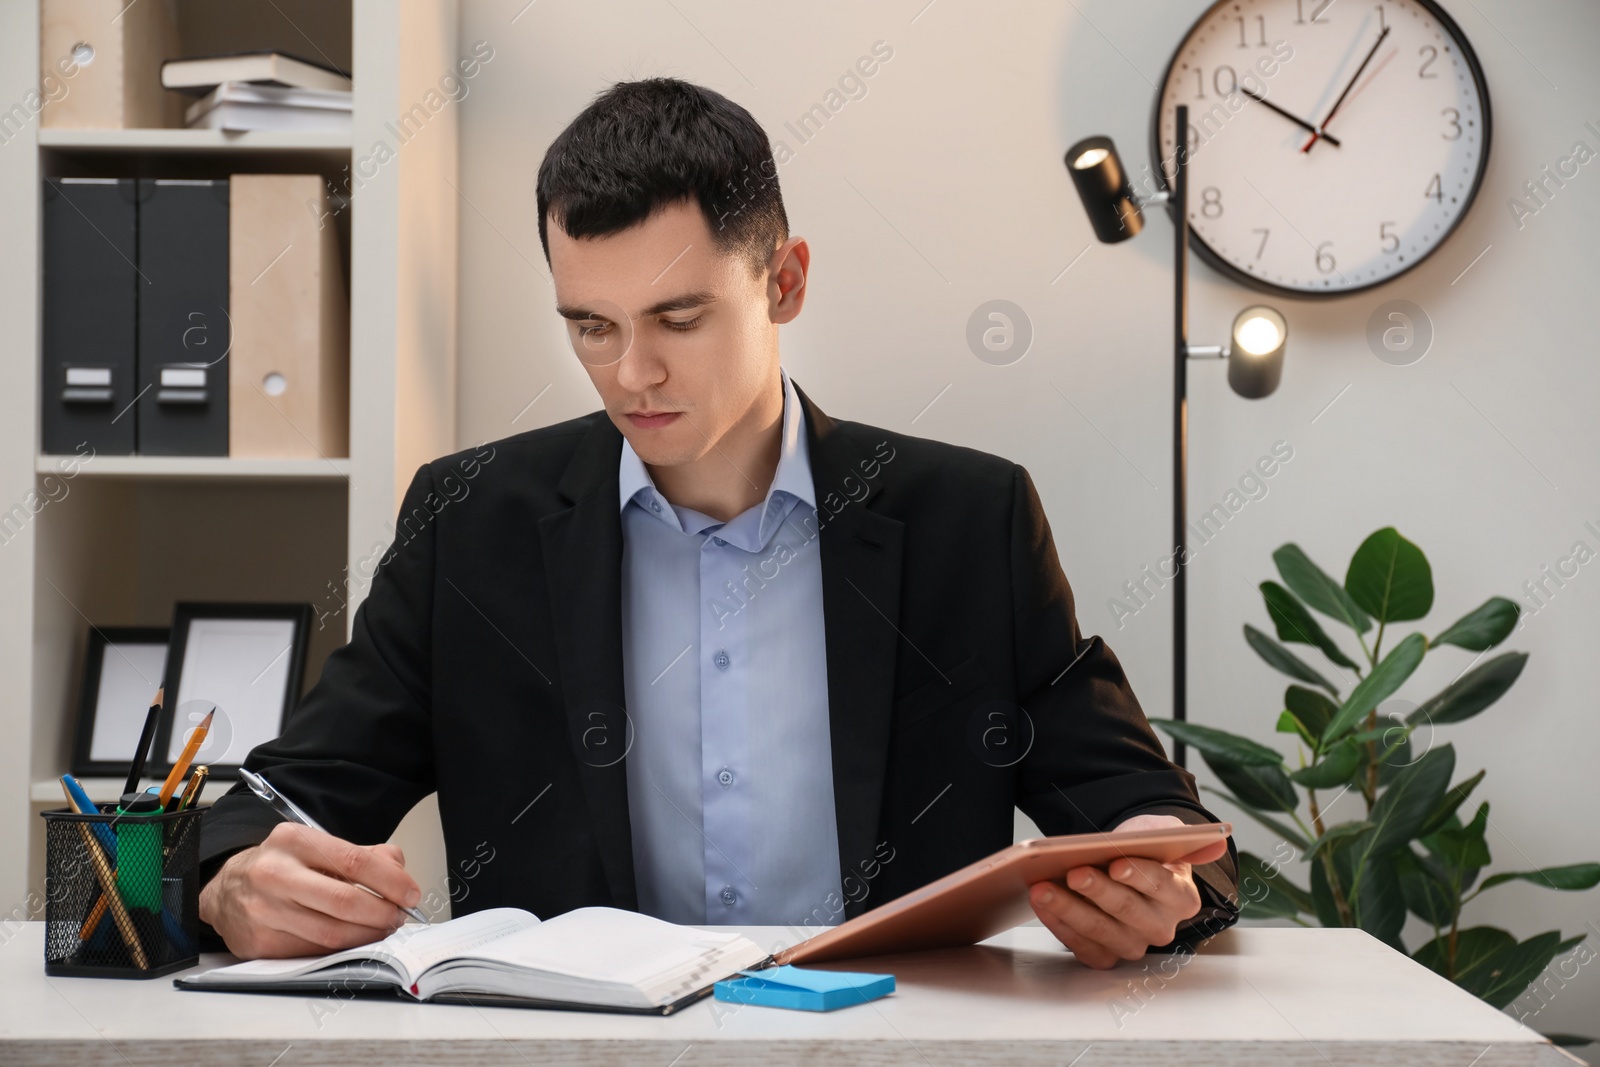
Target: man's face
x: 666, y: 324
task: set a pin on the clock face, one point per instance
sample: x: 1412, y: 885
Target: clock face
x: 1332, y: 146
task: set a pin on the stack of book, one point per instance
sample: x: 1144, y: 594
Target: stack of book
x: 261, y: 91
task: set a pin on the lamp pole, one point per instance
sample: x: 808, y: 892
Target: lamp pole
x: 1178, y: 204
x: 1254, y: 353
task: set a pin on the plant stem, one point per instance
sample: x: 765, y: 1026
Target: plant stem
x: 1340, y: 905
x: 1370, y: 790
x: 1316, y: 814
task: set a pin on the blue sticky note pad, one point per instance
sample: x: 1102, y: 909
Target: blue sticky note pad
x: 792, y: 987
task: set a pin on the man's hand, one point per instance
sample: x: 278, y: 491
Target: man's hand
x: 294, y: 895
x: 1117, y: 913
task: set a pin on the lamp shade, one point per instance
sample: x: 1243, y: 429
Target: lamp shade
x: 1255, y: 356
x: 1102, y: 184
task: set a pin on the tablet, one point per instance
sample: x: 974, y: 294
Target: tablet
x: 991, y: 895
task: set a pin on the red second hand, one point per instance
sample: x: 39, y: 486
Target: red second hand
x: 1353, y: 94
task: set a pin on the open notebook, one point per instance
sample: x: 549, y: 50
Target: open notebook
x: 597, y: 959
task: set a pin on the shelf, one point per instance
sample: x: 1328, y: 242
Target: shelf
x: 174, y: 140
x: 199, y: 468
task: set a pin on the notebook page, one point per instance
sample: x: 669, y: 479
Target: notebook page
x: 604, y: 945
x: 414, y: 948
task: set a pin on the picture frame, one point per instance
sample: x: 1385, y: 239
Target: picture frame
x: 123, y: 666
x: 246, y: 660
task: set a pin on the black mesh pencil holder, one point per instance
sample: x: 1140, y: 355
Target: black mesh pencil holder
x: 122, y: 891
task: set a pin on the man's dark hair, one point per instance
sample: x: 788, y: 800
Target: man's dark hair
x: 642, y: 145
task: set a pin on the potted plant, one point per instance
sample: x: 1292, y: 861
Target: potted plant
x: 1409, y: 849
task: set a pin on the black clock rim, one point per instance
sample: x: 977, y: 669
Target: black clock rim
x: 1198, y: 243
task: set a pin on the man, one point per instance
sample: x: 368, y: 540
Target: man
x: 709, y: 653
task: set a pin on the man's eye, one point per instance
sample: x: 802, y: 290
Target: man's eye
x: 591, y: 331
x: 689, y: 325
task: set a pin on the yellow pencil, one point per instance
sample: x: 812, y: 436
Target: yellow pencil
x: 175, y: 776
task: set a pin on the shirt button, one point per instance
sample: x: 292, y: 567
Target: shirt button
x: 729, y: 897
x: 721, y: 659
x: 655, y: 506
x: 725, y: 776
x: 719, y: 542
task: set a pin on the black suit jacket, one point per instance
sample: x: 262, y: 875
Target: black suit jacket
x: 486, y: 664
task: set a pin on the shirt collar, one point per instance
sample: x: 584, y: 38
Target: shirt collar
x: 792, y: 478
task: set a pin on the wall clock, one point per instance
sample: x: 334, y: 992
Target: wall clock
x: 1332, y: 146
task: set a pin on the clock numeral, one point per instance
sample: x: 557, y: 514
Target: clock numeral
x: 1452, y: 124
x: 1316, y: 12
x: 1429, y: 54
x: 1261, y: 31
x: 1199, y: 84
x: 1211, y: 202
x: 1264, y: 234
x: 1435, y: 190
x: 1233, y: 81
x: 1325, y: 261
x: 1391, y: 241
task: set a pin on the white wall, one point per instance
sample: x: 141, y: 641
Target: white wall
x: 943, y: 187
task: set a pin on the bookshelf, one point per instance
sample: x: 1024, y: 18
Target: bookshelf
x: 132, y: 534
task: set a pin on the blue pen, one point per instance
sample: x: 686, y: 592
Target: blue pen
x: 102, y: 832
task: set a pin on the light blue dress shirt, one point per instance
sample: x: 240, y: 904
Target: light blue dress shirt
x: 730, y: 774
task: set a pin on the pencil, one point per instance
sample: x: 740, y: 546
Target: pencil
x: 136, y: 769
x: 108, y: 890
x: 196, y: 739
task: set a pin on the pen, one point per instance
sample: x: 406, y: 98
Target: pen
x: 136, y: 769
x: 196, y: 739
x: 191, y: 791
x: 108, y: 889
x: 291, y: 812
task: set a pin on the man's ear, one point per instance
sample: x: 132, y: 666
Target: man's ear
x: 786, y: 279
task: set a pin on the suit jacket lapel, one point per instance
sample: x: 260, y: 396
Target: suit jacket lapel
x: 583, y: 570
x: 861, y: 563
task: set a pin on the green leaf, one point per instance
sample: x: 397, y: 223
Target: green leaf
x: 1335, y: 767
x: 1504, y: 974
x: 1474, y: 945
x: 1473, y: 691
x: 1378, y: 686
x: 1311, y: 584
x: 1281, y: 659
x: 1277, y: 826
x: 1288, y: 724
x: 1390, y: 578
x: 1322, y: 896
x: 1402, y: 808
x: 1264, y: 892
x: 1333, y: 835
x: 1296, y: 624
x: 1310, y: 707
x: 1447, y: 806
x: 1220, y: 743
x: 1573, y: 876
x: 1482, y: 628
x: 1397, y: 737
x: 1260, y: 785
x: 1378, y: 902
x: 1466, y: 847
x: 1426, y: 891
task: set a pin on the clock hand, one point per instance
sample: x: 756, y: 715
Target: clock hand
x: 1348, y: 86
x: 1298, y: 121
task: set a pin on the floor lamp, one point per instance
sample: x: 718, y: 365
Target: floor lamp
x: 1254, y: 353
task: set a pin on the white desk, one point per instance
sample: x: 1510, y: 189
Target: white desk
x: 1325, y: 998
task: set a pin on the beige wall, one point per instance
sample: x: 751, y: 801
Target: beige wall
x: 943, y: 188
